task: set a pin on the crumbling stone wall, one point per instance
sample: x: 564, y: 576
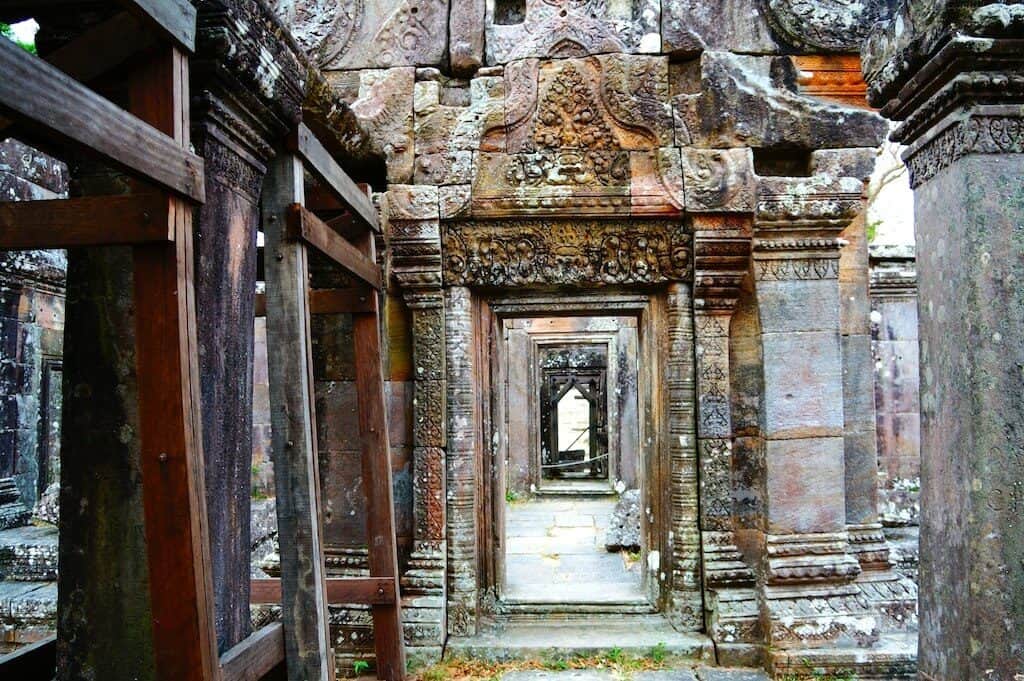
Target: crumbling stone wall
x: 31, y: 332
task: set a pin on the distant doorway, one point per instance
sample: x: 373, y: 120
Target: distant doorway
x: 568, y: 422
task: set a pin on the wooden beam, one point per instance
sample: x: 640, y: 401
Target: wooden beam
x: 34, y: 662
x: 329, y: 301
x: 49, y: 101
x: 376, y: 461
x: 340, y: 590
x: 173, y: 19
x: 293, y: 429
x: 102, y: 48
x: 86, y: 221
x: 304, y: 143
x: 256, y: 656
x: 170, y: 422
x: 305, y: 226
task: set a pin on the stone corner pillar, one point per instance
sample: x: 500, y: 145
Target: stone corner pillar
x: 411, y: 215
x: 721, y: 261
x: 953, y: 72
x: 806, y: 553
x: 237, y: 122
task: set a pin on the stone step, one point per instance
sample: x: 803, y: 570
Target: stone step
x: 636, y: 635
x: 29, y: 554
x: 893, y: 657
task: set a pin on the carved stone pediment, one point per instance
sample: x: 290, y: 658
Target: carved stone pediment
x: 560, y: 252
x: 581, y: 136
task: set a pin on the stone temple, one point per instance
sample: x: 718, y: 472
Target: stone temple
x: 650, y: 355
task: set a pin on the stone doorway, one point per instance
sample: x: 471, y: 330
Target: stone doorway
x: 566, y: 424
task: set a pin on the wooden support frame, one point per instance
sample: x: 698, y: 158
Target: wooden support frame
x: 364, y: 590
x: 296, y: 468
x: 150, y: 141
x: 87, y: 221
x: 303, y: 142
x: 289, y: 228
x: 51, y: 103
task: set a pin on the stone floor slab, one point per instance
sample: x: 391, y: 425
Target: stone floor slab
x: 723, y: 674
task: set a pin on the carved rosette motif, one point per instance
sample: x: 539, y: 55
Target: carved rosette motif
x: 587, y: 253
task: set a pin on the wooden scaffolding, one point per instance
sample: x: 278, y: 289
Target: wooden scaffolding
x: 149, y: 141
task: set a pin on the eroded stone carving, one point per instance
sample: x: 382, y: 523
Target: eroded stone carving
x: 532, y: 253
x: 384, y: 106
x: 574, y: 28
x: 832, y: 25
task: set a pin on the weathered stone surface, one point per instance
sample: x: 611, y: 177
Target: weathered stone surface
x: 718, y: 180
x: 829, y: 25
x: 48, y: 507
x: 572, y: 29
x: 370, y: 33
x: 693, y: 26
x: 28, y: 554
x: 385, y: 107
x: 466, y: 36
x: 13, y: 513
x: 624, y: 525
x: 745, y: 101
x: 443, y: 127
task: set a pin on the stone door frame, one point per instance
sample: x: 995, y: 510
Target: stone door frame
x: 509, y: 305
x: 668, y: 416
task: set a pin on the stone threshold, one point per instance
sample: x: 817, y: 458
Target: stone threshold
x: 635, y: 635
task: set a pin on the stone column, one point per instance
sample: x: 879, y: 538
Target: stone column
x: 463, y: 584
x: 685, y: 604
x: 721, y: 254
x: 236, y: 123
x: 806, y: 556
x: 414, y: 231
x: 954, y: 72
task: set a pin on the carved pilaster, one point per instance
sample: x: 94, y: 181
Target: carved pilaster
x: 411, y: 215
x: 685, y: 607
x: 722, y: 255
x: 462, y: 474
x: 806, y: 556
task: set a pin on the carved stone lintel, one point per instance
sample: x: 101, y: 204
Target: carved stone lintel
x: 550, y: 252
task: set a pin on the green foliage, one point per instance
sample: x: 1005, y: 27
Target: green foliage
x: 512, y: 496
x: 5, y: 31
x: 615, y: 656
x: 360, y: 667
x: 659, y: 653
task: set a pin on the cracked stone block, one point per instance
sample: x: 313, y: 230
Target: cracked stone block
x: 385, y: 107
x: 693, y: 26
x: 749, y: 101
x: 624, y: 525
x: 370, y: 33
x: 573, y: 29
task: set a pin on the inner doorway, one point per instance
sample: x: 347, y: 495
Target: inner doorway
x: 569, y: 422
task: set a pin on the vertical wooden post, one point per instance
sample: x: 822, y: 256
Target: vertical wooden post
x: 296, y: 474
x: 376, y: 458
x: 169, y: 416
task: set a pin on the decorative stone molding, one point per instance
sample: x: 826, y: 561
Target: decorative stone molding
x: 462, y: 474
x: 554, y: 252
x: 808, y: 558
x: 412, y: 221
x: 685, y: 608
x: 979, y: 133
x: 829, y: 25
